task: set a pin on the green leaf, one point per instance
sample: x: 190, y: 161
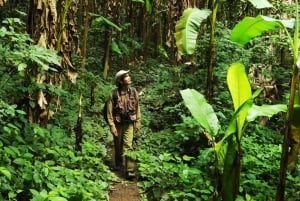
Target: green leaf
x: 5, y: 172
x: 100, y: 20
x: 57, y: 199
x: 115, y: 48
x: 187, y: 158
x: 232, y: 127
x: 37, y: 178
x: 264, y: 110
x: 19, y: 161
x: 240, y: 91
x: 22, y: 66
x: 201, y: 110
x: 186, y: 29
x: 230, y: 171
x: 9, y: 151
x: 261, y: 4
x: 250, y: 27
x: 148, y: 6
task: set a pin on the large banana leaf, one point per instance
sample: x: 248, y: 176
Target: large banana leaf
x: 201, y: 110
x: 264, y: 110
x: 232, y: 127
x: 241, y: 94
x: 186, y: 29
x: 261, y: 4
x: 250, y: 27
x: 240, y: 91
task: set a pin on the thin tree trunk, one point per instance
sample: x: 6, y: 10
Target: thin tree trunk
x: 210, y: 79
x: 85, y: 33
x: 286, y: 139
x: 107, y: 53
x: 78, y: 128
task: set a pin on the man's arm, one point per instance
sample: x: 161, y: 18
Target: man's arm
x: 110, y: 117
x: 137, y: 125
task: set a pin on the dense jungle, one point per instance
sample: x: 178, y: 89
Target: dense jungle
x: 218, y: 85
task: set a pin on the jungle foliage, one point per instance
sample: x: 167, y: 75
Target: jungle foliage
x: 178, y: 151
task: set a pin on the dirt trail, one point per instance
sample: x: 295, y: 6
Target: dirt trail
x: 124, y: 190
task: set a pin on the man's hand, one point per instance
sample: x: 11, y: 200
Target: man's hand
x: 137, y: 126
x: 114, y: 132
x: 136, y: 129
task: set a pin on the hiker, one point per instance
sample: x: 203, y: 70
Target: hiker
x: 124, y: 117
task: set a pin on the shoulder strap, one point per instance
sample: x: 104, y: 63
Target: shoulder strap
x: 132, y: 91
x: 114, y: 94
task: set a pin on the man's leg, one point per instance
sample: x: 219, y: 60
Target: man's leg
x: 128, y: 138
x: 118, y: 143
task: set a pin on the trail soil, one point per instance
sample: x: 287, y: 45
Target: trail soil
x: 123, y: 189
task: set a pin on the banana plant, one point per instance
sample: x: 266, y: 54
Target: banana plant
x: 242, y: 33
x: 228, y: 149
x: 250, y: 28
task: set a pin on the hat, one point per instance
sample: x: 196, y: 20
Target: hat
x: 119, y: 75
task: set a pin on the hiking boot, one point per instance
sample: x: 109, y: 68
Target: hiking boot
x: 116, y: 168
x: 129, y: 175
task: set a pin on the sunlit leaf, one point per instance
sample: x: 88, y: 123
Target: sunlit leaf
x: 250, y: 27
x: 22, y: 66
x: 186, y: 29
x: 201, y: 110
x: 240, y: 91
x: 264, y: 110
x: 148, y: 6
x: 5, y: 172
x: 57, y: 199
x: 261, y: 4
x: 232, y: 127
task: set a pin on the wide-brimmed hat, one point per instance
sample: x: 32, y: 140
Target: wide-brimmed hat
x: 119, y: 75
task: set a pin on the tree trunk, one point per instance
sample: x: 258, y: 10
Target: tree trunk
x: 51, y: 24
x: 210, y: 79
x: 85, y: 33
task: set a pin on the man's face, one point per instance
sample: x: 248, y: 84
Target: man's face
x: 126, y: 79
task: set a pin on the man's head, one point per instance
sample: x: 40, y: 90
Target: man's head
x: 120, y: 75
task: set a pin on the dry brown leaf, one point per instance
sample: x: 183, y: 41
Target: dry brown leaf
x: 67, y: 60
x: 39, y: 4
x: 2, y: 2
x: 40, y: 78
x: 72, y: 75
x: 42, y: 100
x: 42, y: 40
x: 53, y: 11
x: 47, y: 114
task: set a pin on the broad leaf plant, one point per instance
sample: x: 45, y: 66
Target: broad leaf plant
x: 228, y: 149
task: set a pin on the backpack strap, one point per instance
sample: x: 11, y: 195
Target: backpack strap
x: 131, y: 89
x: 114, y: 95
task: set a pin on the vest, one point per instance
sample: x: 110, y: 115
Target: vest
x: 125, y: 106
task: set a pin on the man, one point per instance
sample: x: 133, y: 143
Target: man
x: 124, y: 117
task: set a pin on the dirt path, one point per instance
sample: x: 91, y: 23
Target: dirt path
x: 124, y: 190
